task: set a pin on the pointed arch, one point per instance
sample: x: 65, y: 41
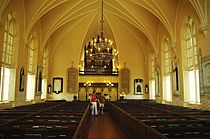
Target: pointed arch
x: 7, y: 86
x: 191, y: 65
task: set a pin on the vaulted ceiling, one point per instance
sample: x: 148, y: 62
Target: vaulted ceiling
x: 141, y: 18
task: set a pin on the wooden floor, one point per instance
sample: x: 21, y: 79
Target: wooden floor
x: 103, y: 127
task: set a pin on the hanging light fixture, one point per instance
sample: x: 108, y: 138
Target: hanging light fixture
x: 101, y: 47
x: 100, y: 57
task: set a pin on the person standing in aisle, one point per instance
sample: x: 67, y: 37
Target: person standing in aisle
x: 94, y: 103
x: 101, y: 103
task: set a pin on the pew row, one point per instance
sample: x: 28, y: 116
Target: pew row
x: 167, y: 122
x: 57, y: 120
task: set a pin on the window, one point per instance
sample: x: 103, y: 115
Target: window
x: 31, y: 52
x: 45, y: 74
x: 167, y: 67
x: 167, y: 88
x: 167, y: 57
x: 8, y: 41
x: 152, y: 89
x: 191, y: 71
x: 8, y: 71
x: 191, y: 53
x: 152, y: 76
x: 30, y: 87
x: 31, y: 70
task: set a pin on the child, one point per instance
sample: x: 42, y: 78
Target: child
x: 101, y: 103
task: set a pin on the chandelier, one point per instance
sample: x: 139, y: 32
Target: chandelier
x: 101, y: 47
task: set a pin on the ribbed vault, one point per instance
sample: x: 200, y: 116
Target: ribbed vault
x: 141, y: 18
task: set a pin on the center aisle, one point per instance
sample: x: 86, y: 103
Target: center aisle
x: 103, y: 127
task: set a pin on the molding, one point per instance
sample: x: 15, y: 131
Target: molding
x: 3, y: 5
x: 204, y: 29
x: 201, y: 10
x: 1, y: 21
x: 204, y: 73
x: 25, y: 43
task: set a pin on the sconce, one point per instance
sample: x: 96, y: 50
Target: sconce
x: 49, y: 88
x: 146, y: 89
x: 109, y: 84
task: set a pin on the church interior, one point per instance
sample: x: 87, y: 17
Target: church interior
x: 149, y: 59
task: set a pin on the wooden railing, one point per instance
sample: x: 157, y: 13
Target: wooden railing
x: 133, y: 127
x: 81, y: 131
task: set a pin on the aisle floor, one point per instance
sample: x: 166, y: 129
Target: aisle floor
x: 103, y: 126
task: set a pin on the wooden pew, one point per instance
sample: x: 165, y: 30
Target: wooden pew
x: 9, y: 116
x: 168, y: 122
x: 47, y: 122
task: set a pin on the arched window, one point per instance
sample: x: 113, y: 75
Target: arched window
x: 7, y: 87
x: 152, y: 75
x: 31, y: 70
x: 31, y: 53
x: 45, y: 73
x: 166, y: 66
x: 8, y: 42
x: 191, y: 68
x: 191, y: 53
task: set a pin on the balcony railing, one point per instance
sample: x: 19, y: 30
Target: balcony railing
x: 98, y: 72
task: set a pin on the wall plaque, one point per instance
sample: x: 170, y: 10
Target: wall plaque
x: 72, y: 80
x: 124, y: 80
